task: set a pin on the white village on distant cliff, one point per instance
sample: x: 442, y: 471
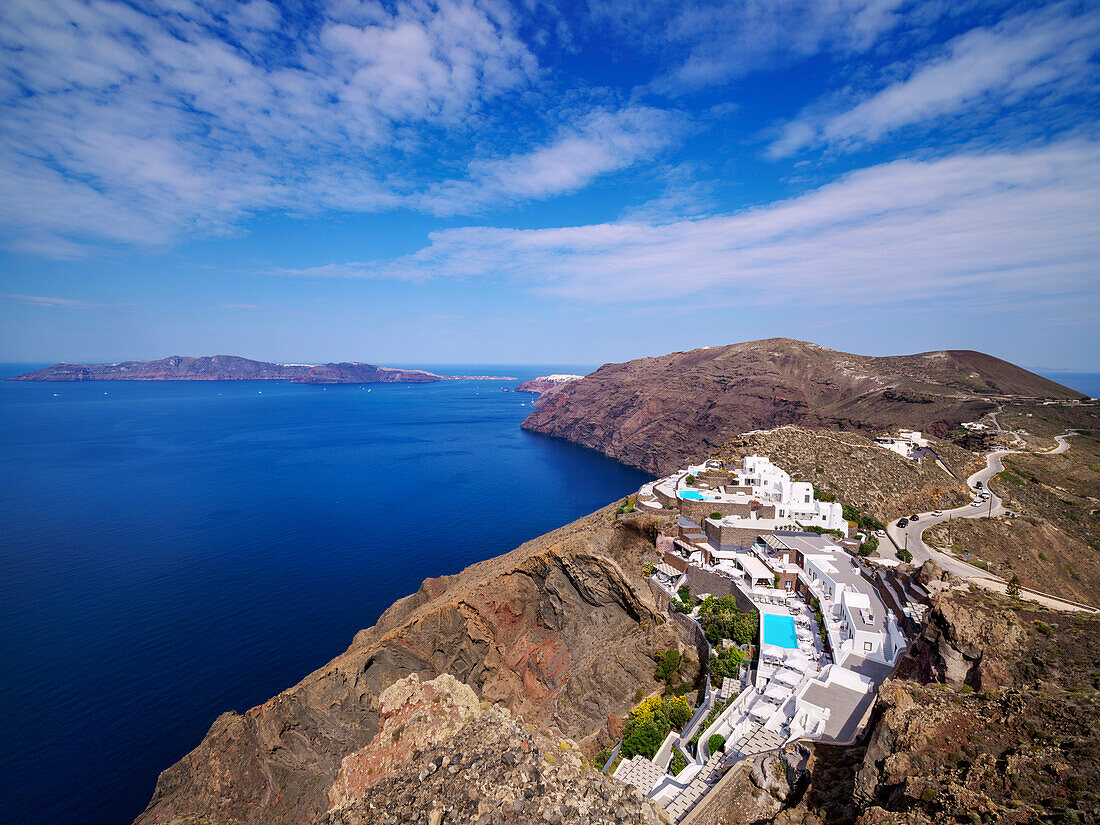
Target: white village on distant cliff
x: 829, y: 628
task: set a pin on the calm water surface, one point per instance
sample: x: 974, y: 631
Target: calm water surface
x: 174, y: 550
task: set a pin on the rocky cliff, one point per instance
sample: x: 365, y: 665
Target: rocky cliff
x: 560, y: 631
x: 656, y: 413
x: 441, y: 756
x: 234, y: 368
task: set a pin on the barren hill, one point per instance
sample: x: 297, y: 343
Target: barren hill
x: 655, y: 413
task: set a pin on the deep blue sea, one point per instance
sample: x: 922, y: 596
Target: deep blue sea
x: 1086, y: 382
x: 174, y: 550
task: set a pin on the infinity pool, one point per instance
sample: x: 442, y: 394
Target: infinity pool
x: 779, y: 631
x: 693, y: 495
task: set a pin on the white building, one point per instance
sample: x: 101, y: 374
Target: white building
x: 906, y: 443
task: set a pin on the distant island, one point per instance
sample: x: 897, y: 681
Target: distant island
x: 234, y: 368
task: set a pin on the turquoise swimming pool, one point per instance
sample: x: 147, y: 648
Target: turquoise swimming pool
x: 693, y: 495
x: 779, y: 631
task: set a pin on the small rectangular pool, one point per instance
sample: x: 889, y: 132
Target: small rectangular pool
x: 779, y: 630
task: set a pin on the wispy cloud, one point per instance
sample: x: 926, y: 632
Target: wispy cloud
x: 1046, y: 52
x: 599, y: 142
x: 980, y: 226
x: 717, y: 41
x: 62, y: 303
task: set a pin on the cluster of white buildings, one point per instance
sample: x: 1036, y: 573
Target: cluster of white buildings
x: 750, y: 495
x: 827, y: 639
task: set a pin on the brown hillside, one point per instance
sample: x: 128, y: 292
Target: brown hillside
x: 656, y: 413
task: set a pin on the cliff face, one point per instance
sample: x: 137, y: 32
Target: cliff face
x: 560, y: 630
x: 656, y: 413
x: 233, y: 368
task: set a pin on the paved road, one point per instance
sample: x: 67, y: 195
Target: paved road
x: 1063, y: 445
x: 909, y: 537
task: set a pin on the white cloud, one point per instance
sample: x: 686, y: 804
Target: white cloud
x: 61, y: 303
x: 976, y: 226
x: 599, y: 142
x: 1048, y: 51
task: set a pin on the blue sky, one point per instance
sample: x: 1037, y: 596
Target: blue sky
x: 467, y: 181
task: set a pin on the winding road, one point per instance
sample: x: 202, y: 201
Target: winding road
x: 909, y: 537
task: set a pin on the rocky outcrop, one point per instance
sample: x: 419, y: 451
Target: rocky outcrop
x: 544, y: 383
x: 234, y: 368
x: 441, y: 757
x: 965, y: 643
x: 561, y: 631
x: 657, y: 413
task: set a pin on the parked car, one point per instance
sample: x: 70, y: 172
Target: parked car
x: 977, y: 485
x: 914, y: 518
x: 903, y: 522
x: 880, y: 533
x: 937, y: 512
x: 976, y: 503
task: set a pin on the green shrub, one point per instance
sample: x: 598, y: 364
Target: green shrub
x: 678, y: 763
x: 1014, y: 587
x: 685, y: 592
x: 679, y: 711
x: 667, y: 666
x: 820, y: 496
x: 905, y: 556
x: 644, y: 740
x: 716, y: 743
x: 602, y: 757
x: 689, y: 479
x: 726, y: 662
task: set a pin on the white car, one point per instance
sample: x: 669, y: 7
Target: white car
x: 976, y: 503
x: 937, y: 512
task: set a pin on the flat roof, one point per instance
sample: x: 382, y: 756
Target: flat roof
x: 753, y: 566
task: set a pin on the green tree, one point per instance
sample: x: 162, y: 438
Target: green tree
x: 905, y: 556
x: 716, y: 743
x: 685, y: 592
x: 1014, y: 587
